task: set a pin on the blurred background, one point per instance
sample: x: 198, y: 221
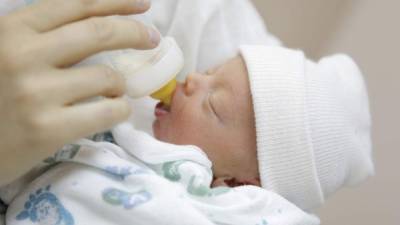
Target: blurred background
x: 369, y: 31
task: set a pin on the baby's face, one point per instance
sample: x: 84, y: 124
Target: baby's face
x: 214, y: 112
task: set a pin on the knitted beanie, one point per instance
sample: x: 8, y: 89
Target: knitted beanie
x: 312, y: 123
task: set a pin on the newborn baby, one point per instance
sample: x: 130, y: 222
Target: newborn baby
x: 280, y: 132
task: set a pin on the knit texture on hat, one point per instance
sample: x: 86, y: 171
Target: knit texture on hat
x: 312, y: 123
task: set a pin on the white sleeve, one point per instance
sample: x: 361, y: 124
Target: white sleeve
x: 233, y: 23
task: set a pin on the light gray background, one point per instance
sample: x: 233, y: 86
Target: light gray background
x: 369, y: 31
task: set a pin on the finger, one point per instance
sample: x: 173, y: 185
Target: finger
x: 49, y: 14
x: 77, y: 84
x: 79, y: 121
x: 79, y: 40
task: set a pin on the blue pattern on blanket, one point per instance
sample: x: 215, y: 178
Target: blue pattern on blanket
x: 263, y: 222
x: 122, y: 172
x: 105, y: 136
x: 128, y: 200
x: 43, y: 207
x: 67, y: 152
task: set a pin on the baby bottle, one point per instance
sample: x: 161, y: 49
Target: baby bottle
x: 147, y: 72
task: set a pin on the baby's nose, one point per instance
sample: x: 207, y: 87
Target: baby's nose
x: 192, y: 83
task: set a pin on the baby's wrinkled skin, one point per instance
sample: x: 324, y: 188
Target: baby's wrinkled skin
x: 214, y: 112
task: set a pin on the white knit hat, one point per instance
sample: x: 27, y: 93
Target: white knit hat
x: 312, y: 123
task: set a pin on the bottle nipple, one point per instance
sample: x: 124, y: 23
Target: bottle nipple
x: 165, y: 93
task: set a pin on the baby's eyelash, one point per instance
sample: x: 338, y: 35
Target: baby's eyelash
x: 209, y: 101
x: 211, y: 105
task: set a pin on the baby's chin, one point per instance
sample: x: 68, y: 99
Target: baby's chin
x: 163, y: 136
x: 159, y: 134
x: 156, y: 130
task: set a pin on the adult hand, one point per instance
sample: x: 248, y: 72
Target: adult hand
x: 38, y: 89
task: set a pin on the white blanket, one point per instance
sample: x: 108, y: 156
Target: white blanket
x: 142, y: 181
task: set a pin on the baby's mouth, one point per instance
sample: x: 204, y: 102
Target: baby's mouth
x: 161, y: 109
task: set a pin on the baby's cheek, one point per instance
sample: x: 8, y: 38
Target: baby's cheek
x: 187, y: 135
x: 183, y: 121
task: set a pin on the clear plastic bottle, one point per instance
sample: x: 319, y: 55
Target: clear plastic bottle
x: 150, y: 72
x: 147, y: 72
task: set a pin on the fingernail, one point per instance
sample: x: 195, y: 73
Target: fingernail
x: 154, y: 36
x: 142, y: 3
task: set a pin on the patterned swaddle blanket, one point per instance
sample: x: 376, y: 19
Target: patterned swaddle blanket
x: 141, y: 181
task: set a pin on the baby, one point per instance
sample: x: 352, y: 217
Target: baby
x: 269, y: 117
